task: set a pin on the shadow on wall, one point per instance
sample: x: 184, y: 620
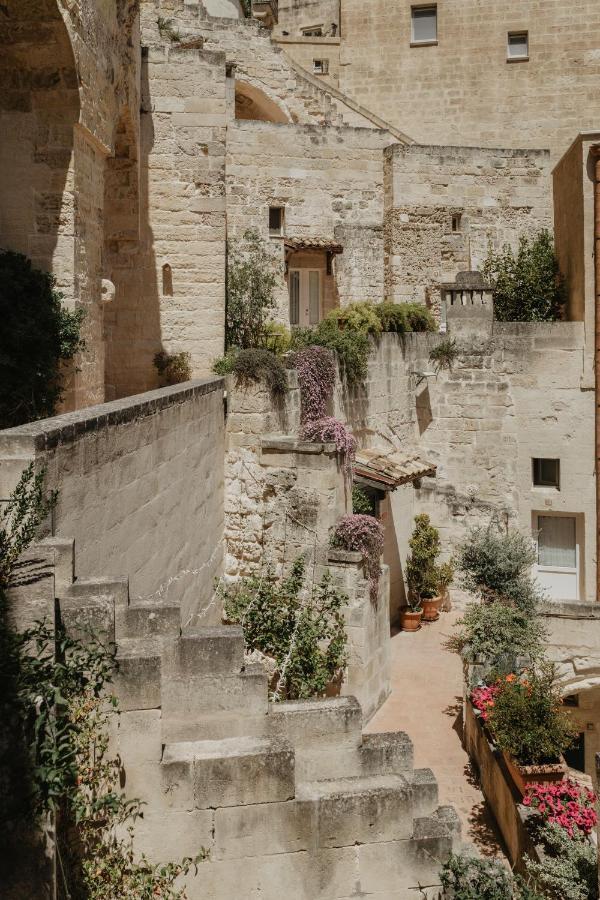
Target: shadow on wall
x: 423, y: 407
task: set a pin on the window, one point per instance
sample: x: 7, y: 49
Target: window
x: 424, y: 25
x: 315, y: 31
x: 518, y: 45
x: 546, y: 473
x: 321, y: 66
x: 456, y: 222
x: 276, y: 217
x: 558, y: 567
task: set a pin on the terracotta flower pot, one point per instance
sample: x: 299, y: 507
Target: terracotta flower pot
x: 431, y: 609
x: 410, y: 620
x: 540, y: 774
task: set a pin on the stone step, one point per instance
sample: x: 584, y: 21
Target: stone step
x: 424, y: 792
x: 208, y: 651
x: 137, y: 680
x: 359, y: 809
x: 387, y: 753
x: 147, y: 620
x: 238, y: 771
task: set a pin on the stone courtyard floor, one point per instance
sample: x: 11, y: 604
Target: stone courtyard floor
x: 426, y: 702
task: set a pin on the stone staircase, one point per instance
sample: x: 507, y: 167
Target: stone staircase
x: 288, y: 798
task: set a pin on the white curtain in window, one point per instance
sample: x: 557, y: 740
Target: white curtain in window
x: 556, y: 542
x: 424, y: 24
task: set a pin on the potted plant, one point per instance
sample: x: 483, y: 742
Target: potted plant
x: 445, y: 577
x: 411, y: 615
x: 421, y: 570
x: 530, y: 727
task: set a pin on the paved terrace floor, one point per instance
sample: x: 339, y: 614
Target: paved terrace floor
x: 426, y: 702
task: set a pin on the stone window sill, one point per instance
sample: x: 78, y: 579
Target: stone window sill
x: 517, y: 59
x: 423, y: 43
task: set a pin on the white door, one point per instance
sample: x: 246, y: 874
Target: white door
x: 305, y: 287
x: 558, y: 556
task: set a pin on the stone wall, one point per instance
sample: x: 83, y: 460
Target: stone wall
x: 134, y: 480
x: 331, y: 185
x: 296, y: 15
x: 462, y: 90
x: 497, y: 194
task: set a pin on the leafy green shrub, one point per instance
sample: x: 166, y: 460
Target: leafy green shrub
x: 467, y: 877
x: 37, y: 333
x: 419, y: 318
x: 251, y: 282
x: 528, y: 286
x: 421, y: 569
x: 393, y: 317
x: 301, y: 628
x: 498, y: 632
x: 444, y: 355
x: 498, y: 564
x: 173, y: 368
x: 362, y: 505
x: 351, y: 347
x: 358, y: 317
x: 528, y: 720
x: 277, y: 338
x: 252, y: 366
x: 569, y: 870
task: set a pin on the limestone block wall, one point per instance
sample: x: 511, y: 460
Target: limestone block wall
x: 296, y: 15
x: 140, y: 488
x: 462, y: 90
x: 498, y: 195
x: 330, y: 182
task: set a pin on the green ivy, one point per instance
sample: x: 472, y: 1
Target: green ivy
x: 528, y: 285
x: 300, y: 627
x: 37, y: 333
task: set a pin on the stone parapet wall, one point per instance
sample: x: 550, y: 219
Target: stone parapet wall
x: 135, y: 478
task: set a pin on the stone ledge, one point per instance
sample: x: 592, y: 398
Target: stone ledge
x: 293, y: 445
x: 566, y: 610
x: 48, y: 433
x: 345, y: 557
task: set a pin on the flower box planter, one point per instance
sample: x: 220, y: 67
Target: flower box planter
x: 431, y: 609
x: 550, y: 773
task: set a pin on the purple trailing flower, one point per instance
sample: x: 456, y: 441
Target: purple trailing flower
x: 330, y: 430
x: 316, y: 377
x: 365, y: 535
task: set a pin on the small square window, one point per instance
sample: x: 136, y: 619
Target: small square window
x: 518, y: 45
x: 457, y: 222
x: 321, y: 66
x: 315, y: 31
x: 424, y: 24
x: 546, y: 473
x: 276, y: 218
x: 571, y: 700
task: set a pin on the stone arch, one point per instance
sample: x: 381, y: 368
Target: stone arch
x: 252, y: 103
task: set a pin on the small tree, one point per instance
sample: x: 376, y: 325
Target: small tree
x: 421, y: 569
x: 37, y: 333
x: 528, y: 285
x: 251, y: 282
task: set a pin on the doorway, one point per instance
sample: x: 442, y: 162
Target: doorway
x: 306, y: 297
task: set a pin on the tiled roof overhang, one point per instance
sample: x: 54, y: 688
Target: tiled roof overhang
x: 308, y: 243
x: 387, y: 470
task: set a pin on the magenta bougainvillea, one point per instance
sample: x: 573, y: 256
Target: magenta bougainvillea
x: 566, y: 803
x: 365, y: 535
x: 316, y: 377
x: 330, y: 430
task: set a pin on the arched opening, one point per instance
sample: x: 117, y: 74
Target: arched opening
x: 253, y: 104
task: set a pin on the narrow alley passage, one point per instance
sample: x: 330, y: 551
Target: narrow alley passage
x: 426, y: 702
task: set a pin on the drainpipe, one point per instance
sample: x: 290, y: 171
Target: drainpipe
x: 595, y: 152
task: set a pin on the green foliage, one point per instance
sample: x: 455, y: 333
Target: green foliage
x: 20, y: 519
x: 362, y: 505
x: 166, y: 30
x: 569, y: 870
x: 251, y: 282
x: 467, y: 877
x: 352, y: 348
x: 405, y: 317
x: 37, y: 334
x: 173, y: 368
x: 277, y: 338
x: 253, y: 366
x: 445, y: 574
x: 300, y: 627
x: 444, y: 355
x: 421, y: 569
x: 528, y: 720
x: 498, y: 631
x: 498, y: 564
x: 528, y: 286
x: 357, y: 317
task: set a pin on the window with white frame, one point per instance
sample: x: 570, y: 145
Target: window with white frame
x: 313, y: 31
x: 558, y: 566
x: 321, y: 66
x: 424, y: 25
x: 518, y: 45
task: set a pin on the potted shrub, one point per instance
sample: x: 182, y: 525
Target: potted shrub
x: 445, y: 577
x: 531, y: 728
x: 411, y: 615
x: 421, y: 570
